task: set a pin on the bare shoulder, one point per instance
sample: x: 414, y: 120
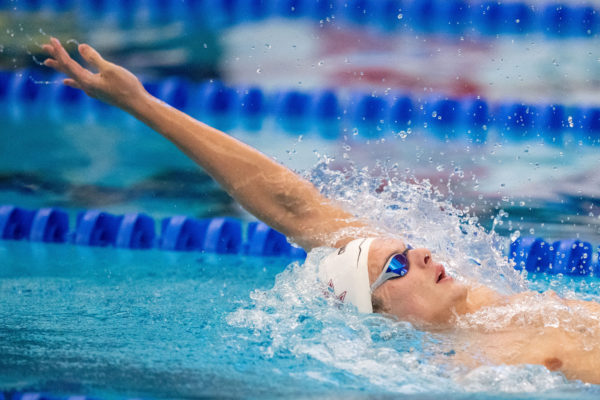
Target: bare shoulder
x: 591, y: 306
x: 483, y: 296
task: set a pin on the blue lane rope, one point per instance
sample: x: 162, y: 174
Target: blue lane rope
x: 138, y: 231
x: 567, y: 257
x: 21, y: 97
x: 450, y: 17
x: 42, y: 396
x: 224, y: 236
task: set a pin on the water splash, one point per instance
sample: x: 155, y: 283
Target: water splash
x: 418, y: 213
x: 73, y: 41
x: 295, y: 320
x: 376, y: 353
x: 43, y: 82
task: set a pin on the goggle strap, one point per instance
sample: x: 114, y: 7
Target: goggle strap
x: 380, y: 280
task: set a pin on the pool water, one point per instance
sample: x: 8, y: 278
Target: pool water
x: 151, y: 324
x: 116, y: 323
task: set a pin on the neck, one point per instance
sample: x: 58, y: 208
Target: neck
x: 478, y: 298
x: 475, y: 299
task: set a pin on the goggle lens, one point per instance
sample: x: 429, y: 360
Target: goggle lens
x: 398, y: 265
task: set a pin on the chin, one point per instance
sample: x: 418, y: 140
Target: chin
x: 460, y: 290
x: 458, y: 297
x: 453, y: 300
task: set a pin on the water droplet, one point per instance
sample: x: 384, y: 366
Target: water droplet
x: 400, y: 16
x: 515, y: 235
x: 259, y: 70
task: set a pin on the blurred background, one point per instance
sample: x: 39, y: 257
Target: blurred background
x: 528, y: 166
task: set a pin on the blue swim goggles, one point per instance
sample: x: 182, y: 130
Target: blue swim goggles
x: 396, y: 267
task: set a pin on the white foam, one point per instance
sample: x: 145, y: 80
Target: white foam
x: 379, y: 353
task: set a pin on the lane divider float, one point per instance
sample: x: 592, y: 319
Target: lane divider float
x: 567, y: 257
x: 333, y: 114
x: 224, y: 235
x: 138, y: 231
x: 555, y: 19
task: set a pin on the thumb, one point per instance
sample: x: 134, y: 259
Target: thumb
x: 92, y: 57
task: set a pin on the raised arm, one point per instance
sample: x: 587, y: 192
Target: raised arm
x: 267, y: 189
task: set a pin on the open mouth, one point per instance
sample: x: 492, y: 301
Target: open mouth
x: 441, y: 274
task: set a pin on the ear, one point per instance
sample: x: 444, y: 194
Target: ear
x: 378, y: 305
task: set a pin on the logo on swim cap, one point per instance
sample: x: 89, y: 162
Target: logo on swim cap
x: 345, y: 272
x: 331, y: 292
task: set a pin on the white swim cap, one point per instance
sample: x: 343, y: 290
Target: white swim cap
x: 346, y: 274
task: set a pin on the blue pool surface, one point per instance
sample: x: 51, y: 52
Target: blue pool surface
x: 115, y: 323
x: 152, y: 324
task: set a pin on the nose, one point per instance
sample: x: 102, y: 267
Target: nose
x: 421, y: 257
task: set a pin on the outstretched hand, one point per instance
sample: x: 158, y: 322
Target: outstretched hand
x: 112, y: 84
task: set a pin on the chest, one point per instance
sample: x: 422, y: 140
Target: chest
x: 573, y: 353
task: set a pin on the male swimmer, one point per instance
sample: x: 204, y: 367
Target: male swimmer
x: 370, y: 271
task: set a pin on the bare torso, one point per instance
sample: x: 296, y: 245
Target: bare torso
x: 562, y: 335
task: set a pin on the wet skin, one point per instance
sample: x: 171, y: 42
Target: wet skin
x: 427, y: 294
x: 432, y: 300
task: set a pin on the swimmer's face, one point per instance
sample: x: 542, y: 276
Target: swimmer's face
x: 426, y: 294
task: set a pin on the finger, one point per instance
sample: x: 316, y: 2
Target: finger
x: 49, y: 62
x: 68, y: 65
x: 52, y: 63
x: 91, y: 56
x: 60, y: 54
x: 72, y: 83
x: 48, y: 48
x: 56, y: 45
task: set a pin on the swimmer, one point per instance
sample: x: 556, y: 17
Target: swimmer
x: 373, y: 272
